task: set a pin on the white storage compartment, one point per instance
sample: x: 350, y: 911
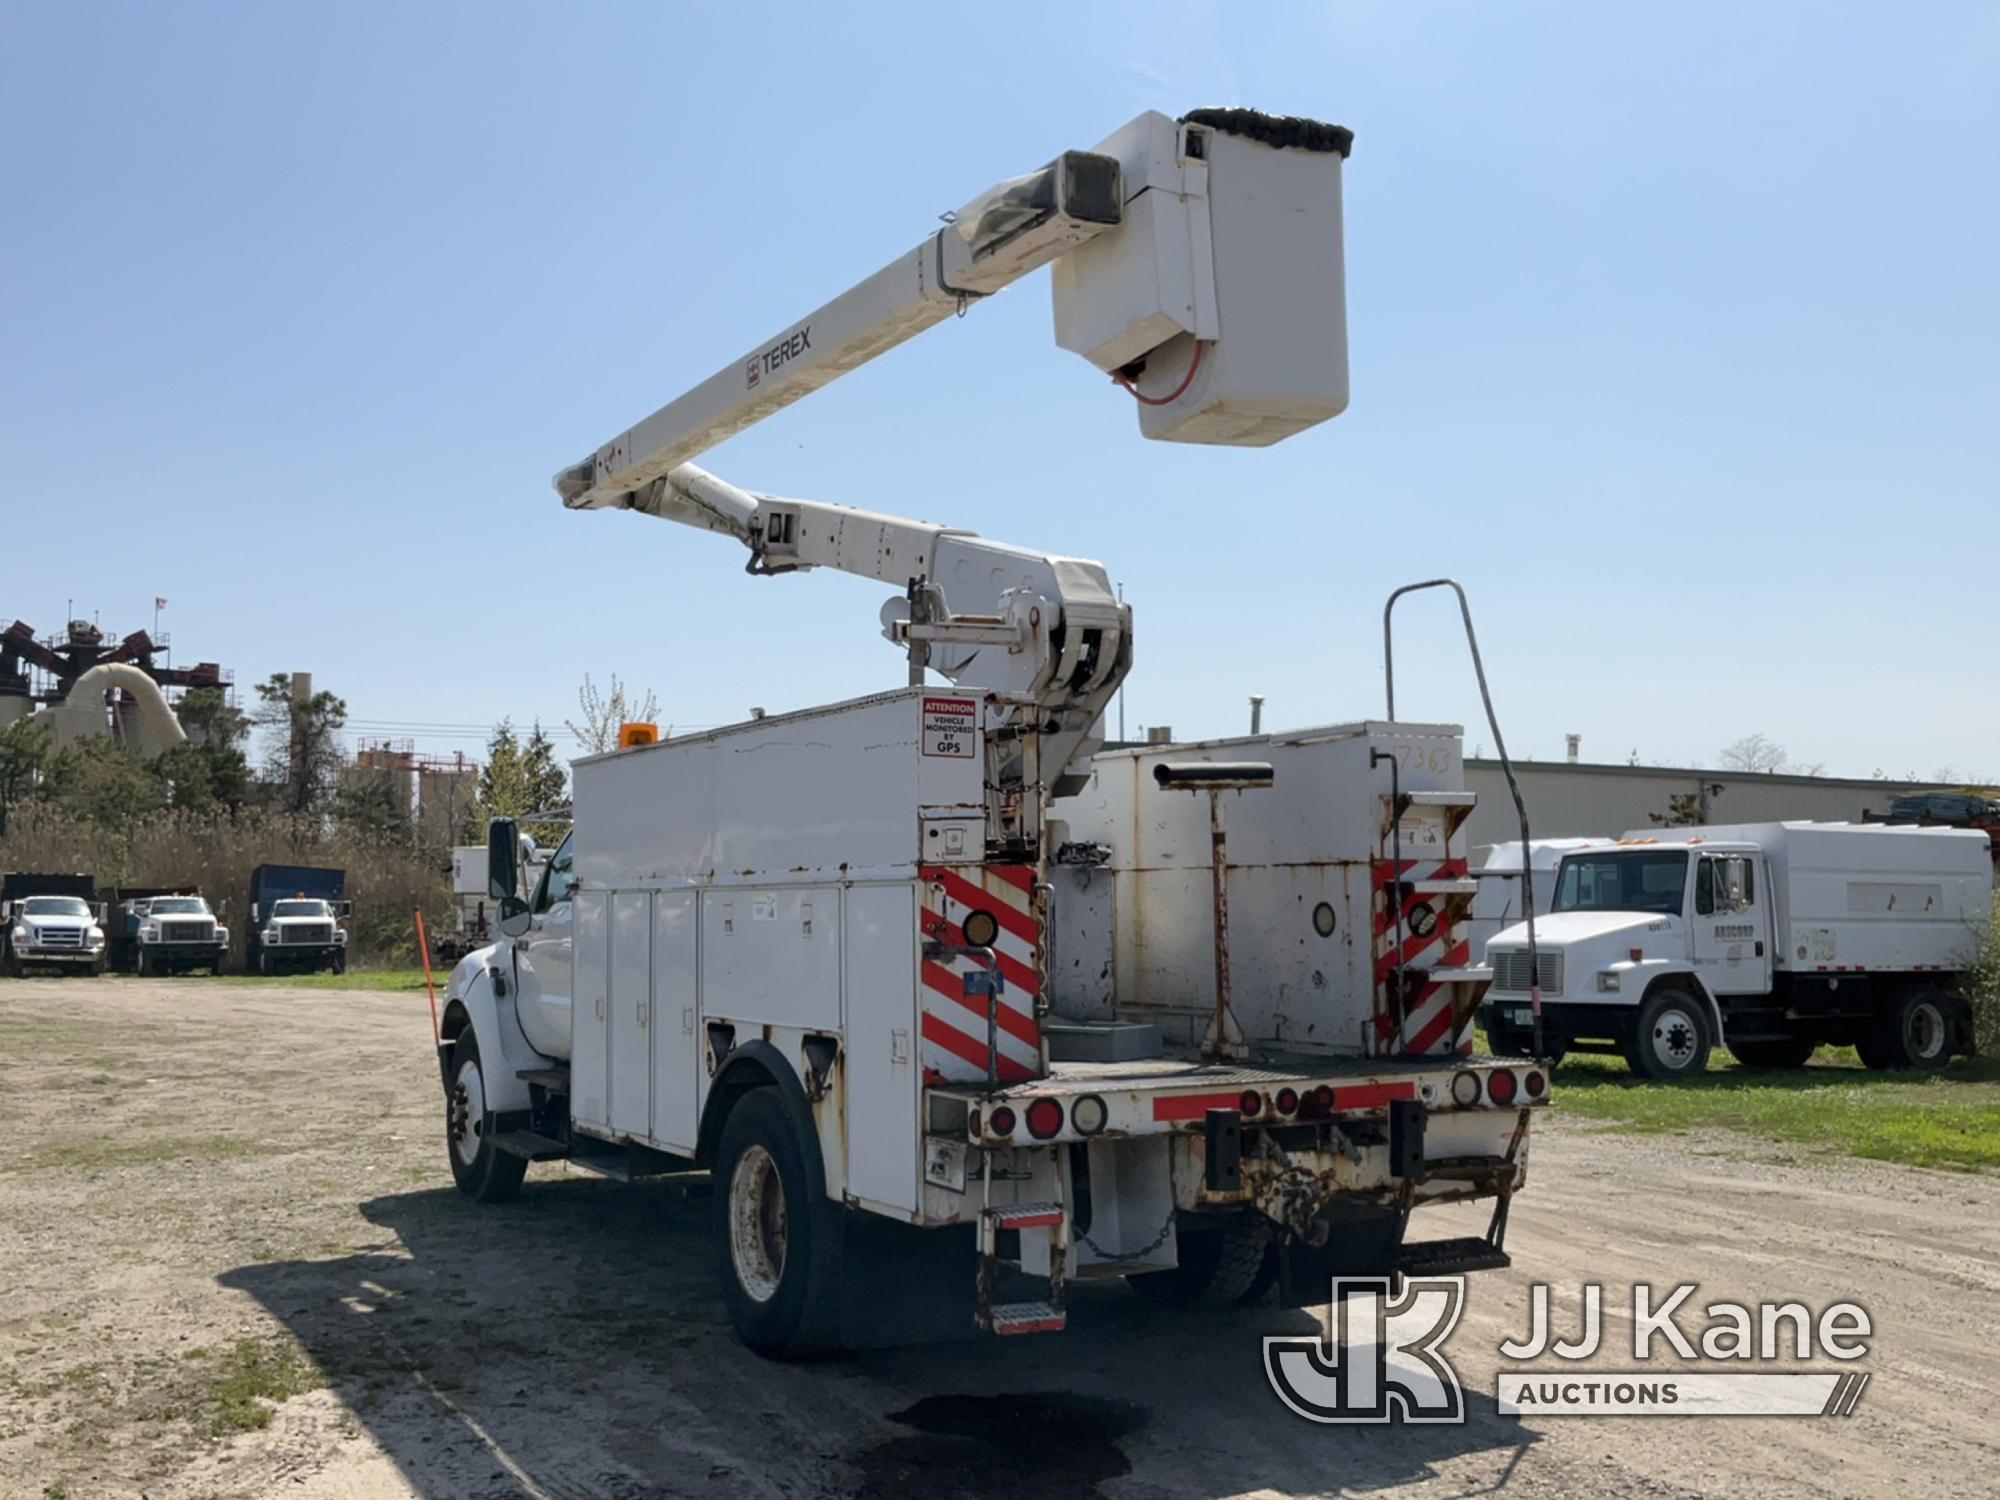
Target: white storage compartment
x: 1301, y: 977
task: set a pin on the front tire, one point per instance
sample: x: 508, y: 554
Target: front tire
x: 340, y: 963
x: 1218, y: 1268
x: 1791, y: 1052
x: 147, y: 968
x: 777, y: 1240
x: 483, y: 1173
x: 1670, y: 1041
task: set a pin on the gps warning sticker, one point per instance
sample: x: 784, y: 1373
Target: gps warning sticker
x: 951, y: 727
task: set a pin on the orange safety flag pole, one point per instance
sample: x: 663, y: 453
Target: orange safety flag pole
x: 424, y: 948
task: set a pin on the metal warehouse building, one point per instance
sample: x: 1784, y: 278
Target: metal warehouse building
x: 1569, y: 799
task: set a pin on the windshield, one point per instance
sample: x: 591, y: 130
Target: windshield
x: 1623, y: 881
x: 299, y: 909
x: 177, y: 906
x: 54, y: 906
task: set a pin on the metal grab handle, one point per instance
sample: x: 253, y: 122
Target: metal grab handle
x: 995, y: 982
x: 1506, y: 767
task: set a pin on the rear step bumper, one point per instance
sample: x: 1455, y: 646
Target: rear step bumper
x: 1450, y: 1257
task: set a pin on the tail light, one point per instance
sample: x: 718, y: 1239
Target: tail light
x: 1288, y: 1101
x: 1534, y: 1085
x: 1465, y: 1089
x: 1252, y: 1103
x: 1088, y: 1115
x: 1045, y: 1118
x: 977, y: 1120
x: 1002, y: 1121
x: 1501, y: 1086
x: 1323, y: 1098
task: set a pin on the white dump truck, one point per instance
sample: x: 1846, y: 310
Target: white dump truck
x: 953, y: 1008
x: 1768, y: 938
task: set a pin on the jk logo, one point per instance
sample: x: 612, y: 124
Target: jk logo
x: 1380, y: 1359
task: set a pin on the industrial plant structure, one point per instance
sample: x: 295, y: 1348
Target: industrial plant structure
x: 84, y: 683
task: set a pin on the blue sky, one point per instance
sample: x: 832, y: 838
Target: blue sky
x: 1673, y: 336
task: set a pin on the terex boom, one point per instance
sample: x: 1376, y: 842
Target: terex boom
x: 931, y: 978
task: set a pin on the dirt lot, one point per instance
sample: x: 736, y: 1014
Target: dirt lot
x: 237, y: 1268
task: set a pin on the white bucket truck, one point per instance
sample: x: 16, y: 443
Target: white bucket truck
x: 1768, y: 938
x: 925, y: 971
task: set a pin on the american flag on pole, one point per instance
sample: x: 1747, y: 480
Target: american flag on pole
x: 159, y: 604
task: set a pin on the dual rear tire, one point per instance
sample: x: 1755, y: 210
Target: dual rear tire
x: 778, y: 1238
x: 1218, y: 1268
x: 1921, y: 1030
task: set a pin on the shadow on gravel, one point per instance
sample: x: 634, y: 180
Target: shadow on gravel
x: 572, y: 1344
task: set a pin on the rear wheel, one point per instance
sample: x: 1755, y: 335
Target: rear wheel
x: 483, y: 1173
x: 1916, y: 1033
x: 1790, y: 1052
x: 777, y: 1240
x: 1671, y: 1038
x: 1217, y: 1267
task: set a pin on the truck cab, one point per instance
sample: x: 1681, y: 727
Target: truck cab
x: 298, y: 926
x: 175, y: 934
x: 57, y: 932
x: 1769, y: 939
x: 295, y: 913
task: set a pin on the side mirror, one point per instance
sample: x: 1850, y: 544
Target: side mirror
x: 503, y: 859
x: 515, y: 918
x: 1734, y: 884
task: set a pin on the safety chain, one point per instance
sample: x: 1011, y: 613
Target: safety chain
x: 1141, y: 1253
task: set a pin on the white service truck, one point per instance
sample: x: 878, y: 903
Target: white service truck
x: 1770, y: 939
x: 940, y: 997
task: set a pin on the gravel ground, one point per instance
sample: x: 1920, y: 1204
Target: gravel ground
x: 237, y: 1268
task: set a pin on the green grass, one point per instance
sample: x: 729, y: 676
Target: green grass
x: 1946, y: 1119
x: 250, y: 1372
x: 398, y: 981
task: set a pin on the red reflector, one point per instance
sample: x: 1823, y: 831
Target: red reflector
x: 1500, y: 1086
x: 1045, y: 1118
x: 1288, y: 1101
x: 1002, y: 1122
x: 1638, y: 955
x: 1534, y: 1083
x: 1251, y: 1103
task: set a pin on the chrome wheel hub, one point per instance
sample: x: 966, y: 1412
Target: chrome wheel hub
x: 465, y: 1116
x: 1675, y: 1039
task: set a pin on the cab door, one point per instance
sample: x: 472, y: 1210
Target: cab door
x: 1731, y: 925
x: 546, y: 960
